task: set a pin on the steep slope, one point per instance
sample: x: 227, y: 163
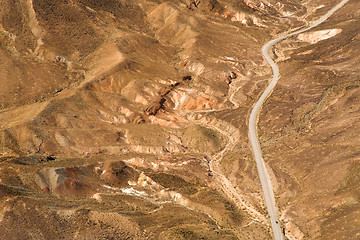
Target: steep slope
x: 127, y: 119
x: 312, y: 117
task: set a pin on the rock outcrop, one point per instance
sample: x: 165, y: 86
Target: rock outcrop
x: 314, y: 37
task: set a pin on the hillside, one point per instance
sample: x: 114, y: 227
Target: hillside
x: 128, y: 119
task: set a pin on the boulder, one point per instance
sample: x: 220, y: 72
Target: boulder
x: 205, y: 5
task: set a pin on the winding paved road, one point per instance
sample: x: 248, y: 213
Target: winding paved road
x: 263, y: 174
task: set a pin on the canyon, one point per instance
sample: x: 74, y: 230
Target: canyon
x: 129, y: 119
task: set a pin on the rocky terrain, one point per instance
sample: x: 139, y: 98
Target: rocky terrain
x: 312, y: 147
x: 128, y: 119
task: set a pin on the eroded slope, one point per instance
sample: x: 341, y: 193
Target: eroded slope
x: 128, y: 119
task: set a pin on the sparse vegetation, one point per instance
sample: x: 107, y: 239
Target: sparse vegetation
x: 99, y: 141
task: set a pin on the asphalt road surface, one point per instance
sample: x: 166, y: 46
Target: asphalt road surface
x: 263, y: 174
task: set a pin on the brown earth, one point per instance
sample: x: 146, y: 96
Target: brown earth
x: 309, y: 131
x: 114, y: 113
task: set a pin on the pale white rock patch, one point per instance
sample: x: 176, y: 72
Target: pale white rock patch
x: 314, y: 37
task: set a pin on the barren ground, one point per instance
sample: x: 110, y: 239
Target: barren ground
x: 128, y: 119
